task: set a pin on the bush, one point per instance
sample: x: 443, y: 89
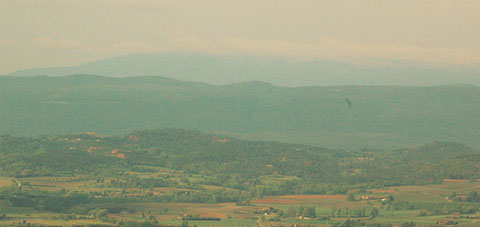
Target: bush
x: 351, y: 196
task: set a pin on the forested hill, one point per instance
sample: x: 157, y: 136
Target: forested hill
x: 335, y: 117
x: 231, y: 162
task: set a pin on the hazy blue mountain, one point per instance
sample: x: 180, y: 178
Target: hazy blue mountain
x: 330, y: 116
x: 216, y: 69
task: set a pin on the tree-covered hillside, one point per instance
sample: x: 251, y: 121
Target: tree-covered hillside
x: 336, y: 117
x: 234, y: 163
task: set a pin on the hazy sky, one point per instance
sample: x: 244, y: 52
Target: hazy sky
x: 40, y: 33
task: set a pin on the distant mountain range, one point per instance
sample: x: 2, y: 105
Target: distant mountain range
x: 328, y: 116
x: 219, y: 70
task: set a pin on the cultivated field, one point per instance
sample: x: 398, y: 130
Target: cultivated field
x: 269, y: 211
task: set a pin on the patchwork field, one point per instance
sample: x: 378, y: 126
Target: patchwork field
x: 268, y: 211
x: 320, y: 200
x: 434, y: 193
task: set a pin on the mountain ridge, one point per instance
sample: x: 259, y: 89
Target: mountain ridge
x: 373, y: 116
x: 227, y: 69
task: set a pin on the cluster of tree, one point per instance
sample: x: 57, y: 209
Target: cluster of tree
x: 305, y: 211
x: 349, y: 223
x: 440, y: 208
x: 471, y: 197
x: 132, y: 181
x: 42, y: 200
x: 130, y: 223
x: 354, y: 213
x: 205, y: 196
x: 196, y: 217
x: 98, y: 213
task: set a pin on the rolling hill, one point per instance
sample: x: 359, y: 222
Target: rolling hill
x: 214, y: 155
x: 379, y: 116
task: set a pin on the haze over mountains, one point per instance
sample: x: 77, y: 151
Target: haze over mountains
x: 379, y: 116
x: 227, y: 69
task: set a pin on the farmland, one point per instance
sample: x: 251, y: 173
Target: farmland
x: 181, y: 177
x: 268, y: 211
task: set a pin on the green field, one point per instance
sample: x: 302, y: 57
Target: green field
x: 231, y: 214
